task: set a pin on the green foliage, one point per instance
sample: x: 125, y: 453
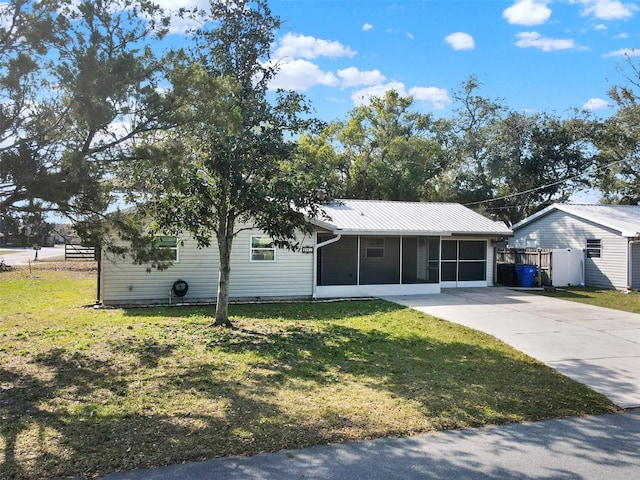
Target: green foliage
x: 230, y: 159
x: 385, y: 150
x: 619, y: 143
x: 78, y: 82
x: 511, y: 164
x: 504, y: 163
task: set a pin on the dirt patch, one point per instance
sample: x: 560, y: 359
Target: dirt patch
x: 60, y: 265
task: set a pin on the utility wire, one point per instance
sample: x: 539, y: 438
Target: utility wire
x: 531, y: 190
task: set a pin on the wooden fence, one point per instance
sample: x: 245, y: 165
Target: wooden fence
x: 79, y: 252
x: 507, y: 258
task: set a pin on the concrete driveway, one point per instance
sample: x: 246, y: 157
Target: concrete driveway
x: 596, y: 346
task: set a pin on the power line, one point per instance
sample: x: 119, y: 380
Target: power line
x: 542, y: 187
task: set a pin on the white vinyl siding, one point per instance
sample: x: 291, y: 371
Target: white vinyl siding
x: 290, y: 276
x: 558, y: 229
x: 122, y: 282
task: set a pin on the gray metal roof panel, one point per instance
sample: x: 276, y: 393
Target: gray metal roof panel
x: 624, y: 219
x: 408, y: 218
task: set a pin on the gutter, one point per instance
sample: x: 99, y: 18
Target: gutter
x: 315, y: 260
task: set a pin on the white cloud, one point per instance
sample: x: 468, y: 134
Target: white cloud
x: 535, y: 40
x: 294, y: 46
x: 608, y: 9
x: 178, y: 4
x: 181, y: 25
x: 362, y: 96
x: 409, y: 35
x: 624, y: 52
x: 366, y: 27
x: 528, y: 12
x: 5, y: 20
x: 352, y: 77
x: 301, y: 75
x: 438, y: 97
x: 596, y: 104
x: 460, y: 41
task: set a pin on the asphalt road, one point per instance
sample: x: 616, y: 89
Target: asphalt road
x: 23, y: 256
x: 601, y: 447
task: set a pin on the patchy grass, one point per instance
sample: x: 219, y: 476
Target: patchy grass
x: 85, y: 392
x: 600, y: 297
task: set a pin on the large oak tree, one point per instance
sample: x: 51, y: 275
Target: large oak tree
x: 78, y: 83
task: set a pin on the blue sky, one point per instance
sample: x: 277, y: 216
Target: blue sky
x: 537, y: 55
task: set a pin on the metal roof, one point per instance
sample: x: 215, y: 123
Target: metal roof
x: 376, y: 217
x: 624, y: 219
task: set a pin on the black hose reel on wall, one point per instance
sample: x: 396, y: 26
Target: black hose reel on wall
x: 180, y: 288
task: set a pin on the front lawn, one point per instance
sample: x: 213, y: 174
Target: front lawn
x: 84, y: 392
x: 600, y: 297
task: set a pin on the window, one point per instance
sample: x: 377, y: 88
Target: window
x: 375, y: 248
x: 262, y: 249
x: 594, y: 248
x: 165, y: 242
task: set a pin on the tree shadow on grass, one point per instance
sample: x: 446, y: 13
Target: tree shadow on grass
x: 59, y: 397
x: 91, y: 409
x: 25, y: 405
x: 461, y: 384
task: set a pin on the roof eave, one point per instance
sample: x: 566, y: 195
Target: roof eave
x: 381, y: 233
x: 536, y: 215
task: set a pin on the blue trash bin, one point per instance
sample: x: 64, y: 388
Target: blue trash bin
x: 526, y: 275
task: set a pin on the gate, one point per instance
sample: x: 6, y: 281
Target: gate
x: 79, y: 252
x: 507, y: 258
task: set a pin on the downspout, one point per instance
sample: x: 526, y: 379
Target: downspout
x: 358, y: 262
x: 401, y: 253
x: 315, y: 260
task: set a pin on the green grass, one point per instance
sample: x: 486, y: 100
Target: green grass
x: 625, y: 301
x: 84, y: 392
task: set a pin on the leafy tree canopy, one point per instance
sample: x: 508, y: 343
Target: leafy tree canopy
x: 619, y: 143
x: 78, y: 83
x: 231, y: 160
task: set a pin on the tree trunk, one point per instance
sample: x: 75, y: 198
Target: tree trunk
x: 225, y: 240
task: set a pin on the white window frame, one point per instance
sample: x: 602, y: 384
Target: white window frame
x: 253, y: 249
x: 175, y: 248
x: 369, y: 248
x: 593, y: 247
